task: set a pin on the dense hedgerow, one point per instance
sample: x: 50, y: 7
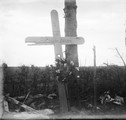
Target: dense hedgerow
x: 18, y: 81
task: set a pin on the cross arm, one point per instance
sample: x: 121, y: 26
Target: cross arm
x: 54, y: 40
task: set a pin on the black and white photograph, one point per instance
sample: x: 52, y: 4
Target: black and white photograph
x: 62, y: 59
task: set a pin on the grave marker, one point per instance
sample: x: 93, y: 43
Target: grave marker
x: 57, y: 41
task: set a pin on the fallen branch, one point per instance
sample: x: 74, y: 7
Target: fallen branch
x: 19, y: 103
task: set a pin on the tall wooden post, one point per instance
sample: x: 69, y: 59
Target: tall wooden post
x: 70, y: 29
x: 1, y: 91
x: 94, y: 78
x: 58, y: 51
x: 71, y: 51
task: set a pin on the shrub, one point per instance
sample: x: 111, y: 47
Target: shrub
x: 18, y: 81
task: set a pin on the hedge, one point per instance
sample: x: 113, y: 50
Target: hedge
x: 19, y: 80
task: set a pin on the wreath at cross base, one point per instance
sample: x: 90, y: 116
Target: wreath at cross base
x: 65, y: 69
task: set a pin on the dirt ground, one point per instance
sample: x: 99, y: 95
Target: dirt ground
x: 25, y: 115
x: 108, y: 113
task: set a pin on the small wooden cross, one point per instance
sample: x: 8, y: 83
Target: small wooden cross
x: 57, y: 41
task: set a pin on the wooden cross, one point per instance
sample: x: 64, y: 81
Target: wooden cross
x: 57, y: 41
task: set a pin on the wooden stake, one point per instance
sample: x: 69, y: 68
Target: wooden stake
x: 1, y: 92
x: 58, y: 51
x: 94, y: 78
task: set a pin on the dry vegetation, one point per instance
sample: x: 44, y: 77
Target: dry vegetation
x: 20, y: 81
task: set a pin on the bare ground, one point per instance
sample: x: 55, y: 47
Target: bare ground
x: 118, y: 113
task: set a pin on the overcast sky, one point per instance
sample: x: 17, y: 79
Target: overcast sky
x: 100, y: 22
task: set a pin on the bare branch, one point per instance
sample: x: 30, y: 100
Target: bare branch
x: 121, y: 57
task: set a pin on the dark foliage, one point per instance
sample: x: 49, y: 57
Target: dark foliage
x: 18, y: 81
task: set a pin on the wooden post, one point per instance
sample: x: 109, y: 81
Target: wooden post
x: 94, y: 78
x: 58, y: 52
x: 1, y: 91
x: 56, y: 33
x: 71, y: 51
x: 70, y: 29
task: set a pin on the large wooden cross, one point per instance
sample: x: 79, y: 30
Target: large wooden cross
x: 57, y: 41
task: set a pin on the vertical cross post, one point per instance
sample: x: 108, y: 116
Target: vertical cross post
x: 58, y: 52
x: 56, y: 33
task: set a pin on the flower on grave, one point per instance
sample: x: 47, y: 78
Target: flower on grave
x: 66, y: 70
x: 77, y: 68
x: 70, y: 73
x: 65, y: 65
x: 58, y: 71
x: 58, y: 56
x: 71, y: 62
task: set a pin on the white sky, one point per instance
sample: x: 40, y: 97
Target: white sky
x: 100, y: 22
